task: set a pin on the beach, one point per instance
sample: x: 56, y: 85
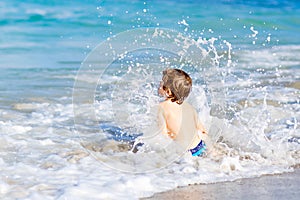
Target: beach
x: 279, y: 186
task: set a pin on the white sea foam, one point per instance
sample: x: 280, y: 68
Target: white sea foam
x: 52, y: 163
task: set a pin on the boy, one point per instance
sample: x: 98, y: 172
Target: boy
x: 177, y: 118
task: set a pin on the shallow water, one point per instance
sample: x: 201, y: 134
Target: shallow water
x: 247, y: 95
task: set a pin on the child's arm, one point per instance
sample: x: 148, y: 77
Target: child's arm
x: 204, y: 136
x: 162, y: 123
x: 200, y: 126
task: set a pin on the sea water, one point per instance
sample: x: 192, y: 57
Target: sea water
x: 247, y: 95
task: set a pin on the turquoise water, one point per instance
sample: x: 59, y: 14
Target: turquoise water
x: 39, y: 37
x: 53, y: 34
x: 42, y: 47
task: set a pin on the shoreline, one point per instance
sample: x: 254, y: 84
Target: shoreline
x: 277, y: 186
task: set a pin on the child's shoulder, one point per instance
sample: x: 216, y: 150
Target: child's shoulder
x: 165, y: 104
x: 164, y: 107
x: 189, y: 108
x: 188, y: 105
x: 161, y: 105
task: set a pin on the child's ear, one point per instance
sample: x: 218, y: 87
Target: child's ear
x: 169, y: 93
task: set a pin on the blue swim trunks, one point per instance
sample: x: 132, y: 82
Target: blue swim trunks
x: 199, y: 149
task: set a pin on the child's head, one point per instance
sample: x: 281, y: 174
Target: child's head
x: 176, y: 85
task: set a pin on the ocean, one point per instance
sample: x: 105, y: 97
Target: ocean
x: 70, y: 67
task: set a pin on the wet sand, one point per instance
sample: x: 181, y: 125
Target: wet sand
x: 282, y: 186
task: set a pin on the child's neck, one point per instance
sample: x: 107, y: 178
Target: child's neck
x: 170, y: 101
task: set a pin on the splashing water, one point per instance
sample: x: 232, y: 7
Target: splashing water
x: 245, y: 131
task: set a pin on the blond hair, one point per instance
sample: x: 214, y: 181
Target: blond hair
x: 178, y: 82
